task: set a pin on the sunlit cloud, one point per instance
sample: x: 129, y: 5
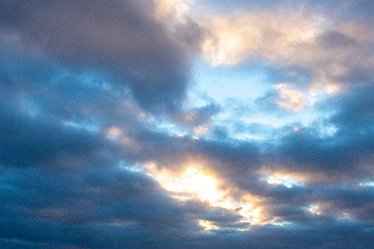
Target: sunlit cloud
x: 322, y: 89
x: 200, y: 130
x: 287, y: 181
x: 172, y: 13
x: 207, y: 225
x: 186, y: 124
x: 113, y: 133
x: 188, y: 184
x: 238, y: 37
x: 314, y: 209
x: 291, y: 179
x: 167, y: 10
x: 196, y: 183
x: 175, y: 15
x: 290, y: 99
x: 122, y: 136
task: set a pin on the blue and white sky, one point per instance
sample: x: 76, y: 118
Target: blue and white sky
x: 163, y: 124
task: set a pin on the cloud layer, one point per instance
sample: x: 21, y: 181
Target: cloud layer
x: 109, y: 140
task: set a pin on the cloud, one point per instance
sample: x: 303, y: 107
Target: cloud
x: 284, y: 97
x: 87, y: 159
x: 260, y: 35
x: 325, y: 42
x: 78, y: 205
x: 119, y: 38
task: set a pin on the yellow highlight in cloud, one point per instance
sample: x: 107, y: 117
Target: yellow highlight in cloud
x: 208, y: 225
x: 171, y: 10
x: 195, y: 183
x: 236, y: 37
x: 290, y: 99
x: 190, y: 183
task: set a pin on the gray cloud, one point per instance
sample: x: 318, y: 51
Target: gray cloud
x: 73, y: 71
x: 120, y: 38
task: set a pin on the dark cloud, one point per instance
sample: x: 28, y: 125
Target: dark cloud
x: 348, y: 151
x: 101, y: 208
x: 356, y: 110
x: 34, y: 135
x: 83, y: 85
x: 85, y: 208
x: 117, y: 37
x: 334, y: 39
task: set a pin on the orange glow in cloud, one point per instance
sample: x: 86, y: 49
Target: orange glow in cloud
x: 236, y: 37
x: 171, y: 10
x: 207, y: 225
x: 195, y: 183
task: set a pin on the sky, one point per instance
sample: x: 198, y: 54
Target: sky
x: 186, y: 124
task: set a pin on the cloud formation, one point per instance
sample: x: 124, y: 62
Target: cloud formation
x: 106, y: 143
x: 119, y: 38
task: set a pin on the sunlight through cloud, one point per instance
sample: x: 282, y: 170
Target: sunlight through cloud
x: 195, y: 183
